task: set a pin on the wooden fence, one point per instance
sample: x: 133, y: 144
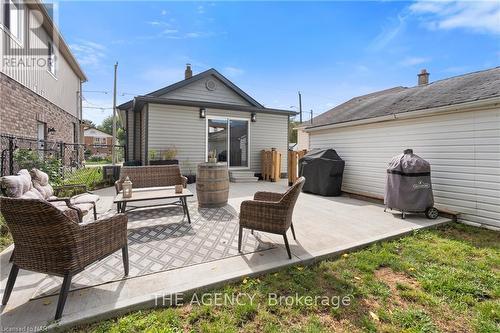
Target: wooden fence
x: 271, y: 165
x: 293, y: 165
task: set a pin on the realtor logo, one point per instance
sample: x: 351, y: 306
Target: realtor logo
x: 421, y: 185
x: 32, y: 40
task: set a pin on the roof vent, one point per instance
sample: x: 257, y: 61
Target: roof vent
x: 423, y: 77
x: 188, y: 72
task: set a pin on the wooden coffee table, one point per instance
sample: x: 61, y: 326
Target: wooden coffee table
x: 155, y: 193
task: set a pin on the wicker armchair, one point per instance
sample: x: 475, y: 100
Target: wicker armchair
x: 270, y: 212
x: 47, y: 241
x: 151, y: 176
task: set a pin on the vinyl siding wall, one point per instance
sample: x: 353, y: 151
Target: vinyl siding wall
x: 463, y: 149
x: 62, y: 89
x: 197, y: 91
x: 181, y: 126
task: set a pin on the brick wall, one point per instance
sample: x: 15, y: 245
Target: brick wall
x: 21, y: 109
x: 98, y: 150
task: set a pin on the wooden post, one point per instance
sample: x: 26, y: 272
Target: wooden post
x: 293, y: 165
x: 271, y: 165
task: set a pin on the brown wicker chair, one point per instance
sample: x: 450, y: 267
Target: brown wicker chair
x: 47, y: 241
x: 270, y: 212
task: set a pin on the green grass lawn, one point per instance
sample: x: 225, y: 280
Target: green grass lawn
x: 441, y: 280
x: 92, y: 177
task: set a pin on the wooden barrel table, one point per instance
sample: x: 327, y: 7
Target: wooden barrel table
x: 212, y: 185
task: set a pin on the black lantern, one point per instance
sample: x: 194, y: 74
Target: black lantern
x: 51, y: 130
x: 203, y: 112
x: 253, y: 117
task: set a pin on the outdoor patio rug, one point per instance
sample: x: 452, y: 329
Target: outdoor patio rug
x: 160, y: 239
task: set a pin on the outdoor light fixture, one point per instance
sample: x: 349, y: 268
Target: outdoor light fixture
x: 203, y: 113
x: 51, y: 130
x: 253, y: 117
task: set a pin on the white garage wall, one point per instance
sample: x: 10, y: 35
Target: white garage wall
x: 463, y: 149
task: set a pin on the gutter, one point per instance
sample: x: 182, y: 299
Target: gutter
x: 466, y: 106
x: 141, y: 100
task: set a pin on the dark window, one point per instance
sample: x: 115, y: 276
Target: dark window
x: 12, y: 17
x: 51, y: 58
x: 6, y: 13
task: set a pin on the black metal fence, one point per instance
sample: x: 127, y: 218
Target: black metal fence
x: 64, y: 162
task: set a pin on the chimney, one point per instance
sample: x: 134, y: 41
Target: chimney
x: 423, y: 78
x: 188, y: 72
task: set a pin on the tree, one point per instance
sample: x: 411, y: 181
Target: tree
x: 107, y: 127
x: 292, y: 133
x: 88, y: 122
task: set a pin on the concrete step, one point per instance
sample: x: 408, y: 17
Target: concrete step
x: 241, y: 173
x: 242, y: 176
x: 243, y: 179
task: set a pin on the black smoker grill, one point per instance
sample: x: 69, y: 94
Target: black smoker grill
x: 409, y: 187
x: 323, y: 170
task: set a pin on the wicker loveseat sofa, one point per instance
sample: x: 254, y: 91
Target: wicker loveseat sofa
x: 151, y: 176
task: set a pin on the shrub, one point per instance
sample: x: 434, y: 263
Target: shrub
x: 29, y: 159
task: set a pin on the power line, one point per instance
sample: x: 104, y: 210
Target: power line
x: 96, y: 107
x: 96, y: 91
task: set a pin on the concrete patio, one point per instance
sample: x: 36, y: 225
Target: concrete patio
x: 325, y: 227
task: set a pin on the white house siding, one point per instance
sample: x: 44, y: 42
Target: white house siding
x: 302, y: 139
x: 197, y: 91
x: 181, y: 126
x: 60, y: 90
x: 463, y: 149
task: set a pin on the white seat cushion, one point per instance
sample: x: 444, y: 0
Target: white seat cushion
x: 84, y: 198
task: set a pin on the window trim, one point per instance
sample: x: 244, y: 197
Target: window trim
x: 53, y: 59
x: 228, y: 119
x: 4, y: 9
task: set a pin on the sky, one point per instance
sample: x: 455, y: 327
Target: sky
x: 329, y: 51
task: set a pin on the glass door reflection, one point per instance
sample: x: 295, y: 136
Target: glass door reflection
x: 238, y: 143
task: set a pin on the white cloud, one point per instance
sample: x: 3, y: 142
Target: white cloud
x: 160, y: 77
x: 388, y: 34
x: 477, y: 16
x: 163, y: 12
x: 233, y: 71
x: 198, y: 34
x: 170, y: 31
x: 200, y: 9
x: 158, y: 23
x: 412, y: 61
x: 88, y: 52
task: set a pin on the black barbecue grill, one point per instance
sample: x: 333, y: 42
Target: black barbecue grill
x: 409, y: 187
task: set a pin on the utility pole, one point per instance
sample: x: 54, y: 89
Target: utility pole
x: 311, y: 116
x: 300, y: 107
x: 113, y: 152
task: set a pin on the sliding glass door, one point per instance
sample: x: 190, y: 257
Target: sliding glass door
x: 229, y: 138
x: 217, y: 138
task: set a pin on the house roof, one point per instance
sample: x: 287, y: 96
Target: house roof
x: 451, y: 91
x: 139, y: 102
x: 94, y: 132
x: 180, y: 84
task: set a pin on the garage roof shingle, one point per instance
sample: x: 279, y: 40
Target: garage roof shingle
x: 455, y: 90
